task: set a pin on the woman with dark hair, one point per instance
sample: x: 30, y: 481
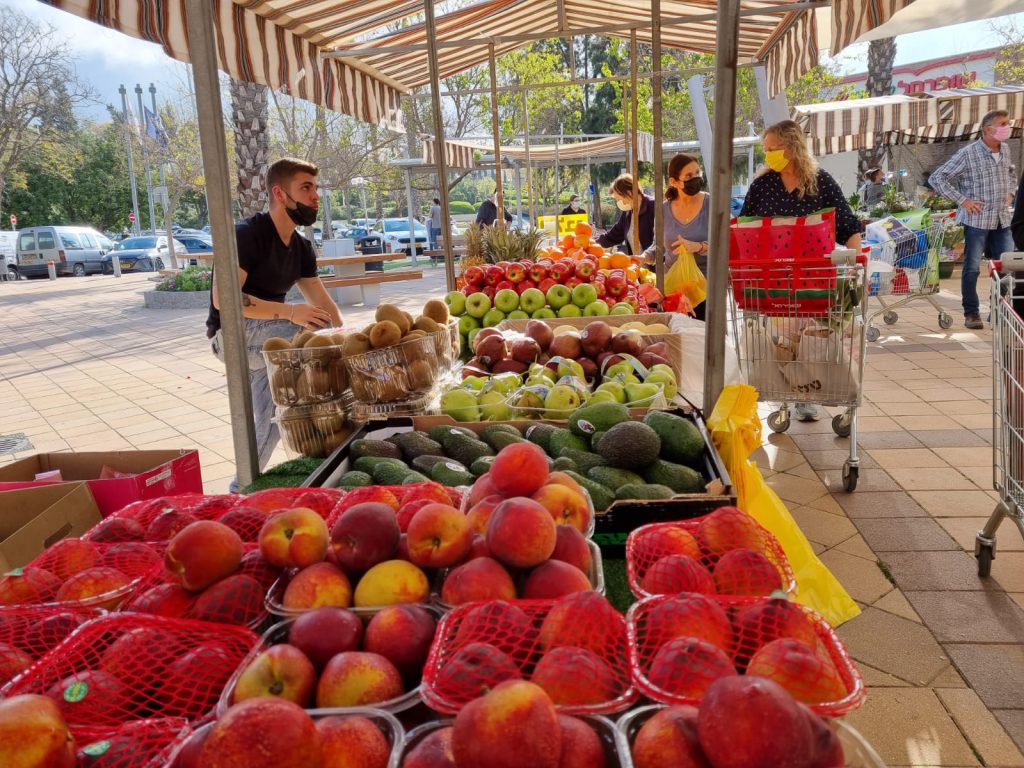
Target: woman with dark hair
x: 573, y: 208
x: 873, y: 190
x: 622, y: 232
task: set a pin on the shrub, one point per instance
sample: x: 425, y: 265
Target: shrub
x: 189, y: 279
x: 460, y: 207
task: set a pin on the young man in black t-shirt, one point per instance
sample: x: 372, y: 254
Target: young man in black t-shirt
x: 273, y: 257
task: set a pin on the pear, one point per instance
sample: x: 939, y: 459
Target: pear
x: 641, y: 395
x: 562, y: 400
x: 615, y: 389
x: 494, y: 406
x: 460, y: 404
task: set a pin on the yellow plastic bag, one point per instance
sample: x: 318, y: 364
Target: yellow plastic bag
x: 736, y: 430
x: 686, y: 278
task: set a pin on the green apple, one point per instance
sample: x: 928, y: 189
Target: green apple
x: 456, y: 301
x: 613, y: 388
x: 561, y: 401
x: 472, y: 335
x: 532, y: 300
x: 584, y: 294
x: 666, y: 380
x: 570, y: 310
x: 558, y: 296
x: 474, y: 383
x: 460, y: 404
x: 544, y: 313
x: 569, y: 367
x: 506, y: 383
x: 528, y: 402
x: 506, y: 300
x: 642, y: 395
x: 477, y: 304
x: 604, y: 396
x: 518, y: 314
x: 595, y: 308
x: 622, y: 308
x: 493, y: 317
x: 494, y: 406
x: 468, y: 324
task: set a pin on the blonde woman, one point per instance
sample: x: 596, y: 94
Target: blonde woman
x: 792, y: 184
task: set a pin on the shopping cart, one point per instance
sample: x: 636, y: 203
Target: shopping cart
x: 799, y: 334
x: 900, y: 271
x: 1007, y: 404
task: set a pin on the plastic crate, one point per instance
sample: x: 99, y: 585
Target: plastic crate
x: 30, y: 632
x: 516, y: 629
x: 306, y: 376
x: 120, y: 668
x: 643, y: 551
x: 645, y: 642
x: 142, y: 744
x: 400, y: 372
x: 320, y: 500
x: 361, y: 412
x: 313, y: 430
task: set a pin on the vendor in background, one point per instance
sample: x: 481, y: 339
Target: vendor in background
x: 487, y: 214
x: 792, y: 184
x: 872, y: 190
x: 573, y: 208
x: 687, y: 212
x: 622, y: 232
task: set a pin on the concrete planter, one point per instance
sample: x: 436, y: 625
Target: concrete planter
x: 154, y: 299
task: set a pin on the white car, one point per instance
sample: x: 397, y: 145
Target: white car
x: 394, y: 234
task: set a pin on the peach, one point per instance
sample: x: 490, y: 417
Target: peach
x: 480, y: 513
x: 729, y: 528
x: 320, y: 500
x: 439, y: 536
x: 238, y: 599
x: 659, y: 542
x: 356, y: 679
x: 167, y: 523
x: 131, y: 557
x: 433, y: 751
x: 318, y: 586
x: 263, y: 733
x: 474, y: 670
x: 561, y: 478
x: 294, y: 538
x: 255, y: 565
x: 202, y: 554
x: 48, y: 633
x: 247, y: 522
x: 499, y: 623
x: 521, y: 533
x: 271, y: 500
x: 573, y: 620
x: 571, y: 547
x: 402, y: 634
x: 567, y: 507
x: 24, y: 586
x: 69, y: 556
x: 281, y: 670
x: 575, y: 677
x: 482, y: 488
x: 686, y: 667
x: 669, y: 738
x: 92, y: 697
x: 478, y: 548
x: 195, y: 680
x: 352, y: 742
x: 92, y: 583
x: 115, y: 529
x: 130, y: 657
x: 513, y: 726
x: 482, y: 578
x: 390, y: 583
x: 323, y: 633
x: 581, y: 746
x: 810, y: 677
x: 433, y: 491
x: 408, y: 511
x: 555, y: 579
x: 370, y: 494
x: 519, y: 469
x: 365, y: 535
x: 677, y: 573
x: 689, y: 615
x: 746, y: 572
x: 768, y: 620
x: 13, y: 661
x: 828, y: 750
x: 33, y: 734
x: 190, y: 754
x: 164, y: 600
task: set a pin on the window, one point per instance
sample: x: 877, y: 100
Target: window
x: 46, y: 241
x: 104, y: 243
x: 70, y: 241
x: 27, y: 241
x: 87, y: 240
x: 136, y: 242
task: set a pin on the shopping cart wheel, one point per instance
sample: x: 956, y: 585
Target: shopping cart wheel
x: 873, y: 333
x: 841, y: 424
x: 850, y: 477
x: 778, y: 421
x: 890, y: 317
x: 945, y: 321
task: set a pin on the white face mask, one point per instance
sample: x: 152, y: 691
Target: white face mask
x: 623, y: 206
x: 574, y: 205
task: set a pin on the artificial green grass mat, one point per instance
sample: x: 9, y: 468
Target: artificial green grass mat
x: 290, y: 474
x: 616, y: 586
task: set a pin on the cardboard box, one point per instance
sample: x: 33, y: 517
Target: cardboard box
x: 154, y: 474
x: 32, y: 519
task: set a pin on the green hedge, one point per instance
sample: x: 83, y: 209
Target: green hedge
x: 460, y: 207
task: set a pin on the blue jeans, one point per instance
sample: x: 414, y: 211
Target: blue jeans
x: 435, y: 238
x: 998, y: 242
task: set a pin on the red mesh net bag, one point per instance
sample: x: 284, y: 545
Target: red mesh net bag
x: 27, y: 633
x: 125, y: 667
x: 142, y: 744
x: 680, y: 644
x: 726, y: 552
x: 575, y: 648
x: 320, y: 500
x: 82, y: 573
x: 159, y: 519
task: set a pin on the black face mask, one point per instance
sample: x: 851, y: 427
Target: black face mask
x: 692, y: 186
x: 303, y: 215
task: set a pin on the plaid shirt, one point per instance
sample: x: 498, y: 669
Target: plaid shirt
x: 973, y: 174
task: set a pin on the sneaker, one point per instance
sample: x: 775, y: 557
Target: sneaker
x: 973, y: 321
x: 233, y: 486
x: 806, y: 412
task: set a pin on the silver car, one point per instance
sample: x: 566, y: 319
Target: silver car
x: 74, y: 251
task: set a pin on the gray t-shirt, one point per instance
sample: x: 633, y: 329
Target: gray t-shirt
x: 435, y: 216
x: 695, y: 230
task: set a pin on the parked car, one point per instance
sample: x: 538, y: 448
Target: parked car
x: 394, y: 233
x: 142, y: 254
x: 73, y: 250
x: 8, y: 255
x: 195, y: 243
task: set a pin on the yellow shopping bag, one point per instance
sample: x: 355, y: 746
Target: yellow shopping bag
x: 684, y: 277
x: 736, y: 430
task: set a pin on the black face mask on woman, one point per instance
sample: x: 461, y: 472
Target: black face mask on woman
x: 692, y: 186
x: 303, y: 215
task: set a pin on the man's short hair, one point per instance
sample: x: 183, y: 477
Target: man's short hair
x: 986, y: 121
x: 437, y: 201
x: 282, y: 171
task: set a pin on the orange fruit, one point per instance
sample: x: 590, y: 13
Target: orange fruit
x: 583, y: 229
x: 604, y: 262
x: 620, y: 260
x: 582, y: 242
x: 595, y: 250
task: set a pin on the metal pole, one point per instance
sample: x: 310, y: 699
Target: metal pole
x: 659, y: 179
x: 557, y: 201
x: 412, y: 218
x: 633, y: 141
x: 440, y: 161
x: 526, y: 139
x: 203, y: 45
x: 145, y: 159
x: 701, y: 119
x: 168, y: 219
x: 328, y: 233
x: 496, y: 132
x: 726, y: 52
x: 131, y: 161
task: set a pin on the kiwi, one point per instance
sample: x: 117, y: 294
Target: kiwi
x: 408, y: 317
x: 356, y: 344
x: 391, y: 313
x: 414, y: 334
x: 339, y: 339
x: 426, y: 324
x: 299, y: 339
x: 337, y: 375
x: 385, y: 333
x: 313, y: 386
x: 283, y: 384
x: 329, y: 423
x: 436, y: 310
x: 367, y: 329
x: 421, y: 375
x: 276, y: 344
x: 321, y: 347
x: 333, y: 440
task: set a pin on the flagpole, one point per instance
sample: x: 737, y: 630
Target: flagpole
x: 131, y: 160
x: 145, y: 160
x: 168, y: 223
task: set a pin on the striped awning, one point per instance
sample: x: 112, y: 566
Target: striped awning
x: 457, y: 154
x: 843, y: 126
x: 462, y: 155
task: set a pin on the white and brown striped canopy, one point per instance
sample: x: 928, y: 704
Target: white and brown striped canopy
x: 462, y: 155
x: 842, y: 126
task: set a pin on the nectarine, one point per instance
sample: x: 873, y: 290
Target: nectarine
x: 203, y: 553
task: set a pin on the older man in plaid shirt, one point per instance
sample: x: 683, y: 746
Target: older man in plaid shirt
x: 981, y: 179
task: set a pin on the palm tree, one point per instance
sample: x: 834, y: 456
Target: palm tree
x: 881, y: 54
x: 249, y: 115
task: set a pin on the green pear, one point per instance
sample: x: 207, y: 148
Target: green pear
x: 663, y: 367
x: 569, y: 367
x: 623, y: 368
x: 615, y: 389
x: 604, y: 396
x: 666, y: 380
x: 494, y: 406
x: 475, y: 383
x: 506, y: 383
x: 528, y: 402
x: 641, y: 395
x: 460, y: 404
x: 562, y: 400
x: 542, y: 371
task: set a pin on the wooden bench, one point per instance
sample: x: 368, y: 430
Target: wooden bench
x: 365, y: 288
x: 438, y: 256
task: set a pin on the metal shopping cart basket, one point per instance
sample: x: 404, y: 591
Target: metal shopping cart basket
x: 799, y: 334
x: 1007, y: 404
x: 901, y: 270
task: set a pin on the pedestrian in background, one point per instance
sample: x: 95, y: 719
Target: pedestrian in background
x: 435, y: 224
x: 873, y: 189
x: 573, y: 207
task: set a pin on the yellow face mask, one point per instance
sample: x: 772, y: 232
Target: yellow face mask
x: 776, y: 159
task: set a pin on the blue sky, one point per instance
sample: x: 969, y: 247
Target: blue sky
x: 106, y: 58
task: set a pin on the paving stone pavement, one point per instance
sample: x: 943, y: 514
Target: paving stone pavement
x: 84, y: 367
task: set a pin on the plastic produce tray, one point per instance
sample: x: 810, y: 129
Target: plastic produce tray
x: 30, y: 632
x: 398, y: 372
x: 306, y: 376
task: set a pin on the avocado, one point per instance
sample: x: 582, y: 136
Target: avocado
x: 414, y: 477
x: 416, y: 444
x: 677, y: 477
x: 355, y: 479
x: 498, y: 440
x: 382, y: 448
x: 644, y: 491
x: 563, y: 438
x: 443, y: 432
x: 367, y: 463
x: 451, y: 473
x: 613, y: 478
x: 584, y: 460
x: 390, y: 474
x: 681, y: 441
x: 425, y: 462
x: 508, y: 428
x: 599, y: 417
x: 601, y: 497
x: 466, y: 450
x: 540, y: 434
x: 562, y: 464
x: 630, y: 445
x: 482, y: 465
x: 595, y: 439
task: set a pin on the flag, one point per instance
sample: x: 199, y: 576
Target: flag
x: 155, y: 128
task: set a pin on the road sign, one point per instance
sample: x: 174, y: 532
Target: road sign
x: 14, y: 220
x: 131, y: 217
